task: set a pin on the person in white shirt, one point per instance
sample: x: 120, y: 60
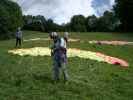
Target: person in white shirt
x: 18, y: 37
x: 59, y: 55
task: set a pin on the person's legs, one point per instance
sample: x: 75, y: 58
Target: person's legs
x: 64, y: 65
x: 56, y: 71
x: 65, y: 73
x: 17, y: 42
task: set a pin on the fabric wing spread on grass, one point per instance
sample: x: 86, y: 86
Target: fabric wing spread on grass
x: 72, y: 52
x: 48, y: 39
x: 90, y: 42
x: 111, y: 42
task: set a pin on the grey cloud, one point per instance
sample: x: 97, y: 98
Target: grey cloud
x: 101, y: 5
x: 26, y: 5
x: 61, y: 11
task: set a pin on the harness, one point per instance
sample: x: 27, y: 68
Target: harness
x: 59, y: 45
x: 59, y: 50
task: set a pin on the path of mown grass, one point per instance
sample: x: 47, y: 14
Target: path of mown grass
x: 29, y: 78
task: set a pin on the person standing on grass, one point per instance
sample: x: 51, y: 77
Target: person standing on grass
x: 59, y: 55
x: 19, y: 37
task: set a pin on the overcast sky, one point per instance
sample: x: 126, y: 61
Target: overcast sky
x: 61, y: 11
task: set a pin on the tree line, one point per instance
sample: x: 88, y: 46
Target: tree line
x: 78, y: 23
x: 120, y: 18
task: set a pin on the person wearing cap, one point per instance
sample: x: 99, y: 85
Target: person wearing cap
x: 18, y: 37
x: 59, y: 56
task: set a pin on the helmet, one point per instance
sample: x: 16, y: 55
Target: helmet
x: 53, y: 34
x: 66, y: 34
x: 19, y: 29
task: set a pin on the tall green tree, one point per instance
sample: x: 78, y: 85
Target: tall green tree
x: 78, y: 23
x: 107, y: 22
x: 124, y: 11
x: 32, y: 23
x: 50, y: 25
x: 10, y: 18
x: 91, y: 23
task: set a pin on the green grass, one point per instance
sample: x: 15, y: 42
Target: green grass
x: 29, y: 78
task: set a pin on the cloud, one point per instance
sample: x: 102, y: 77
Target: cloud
x: 100, y: 6
x: 61, y: 11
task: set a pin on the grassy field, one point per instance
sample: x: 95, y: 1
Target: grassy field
x: 29, y: 78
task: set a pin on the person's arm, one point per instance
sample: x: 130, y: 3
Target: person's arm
x: 21, y: 34
x: 16, y: 34
x: 52, y: 49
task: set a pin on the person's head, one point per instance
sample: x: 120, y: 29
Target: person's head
x: 19, y: 29
x: 53, y: 35
x: 66, y: 34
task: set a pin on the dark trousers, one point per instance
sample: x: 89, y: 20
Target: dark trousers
x: 60, y: 63
x: 18, y: 42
